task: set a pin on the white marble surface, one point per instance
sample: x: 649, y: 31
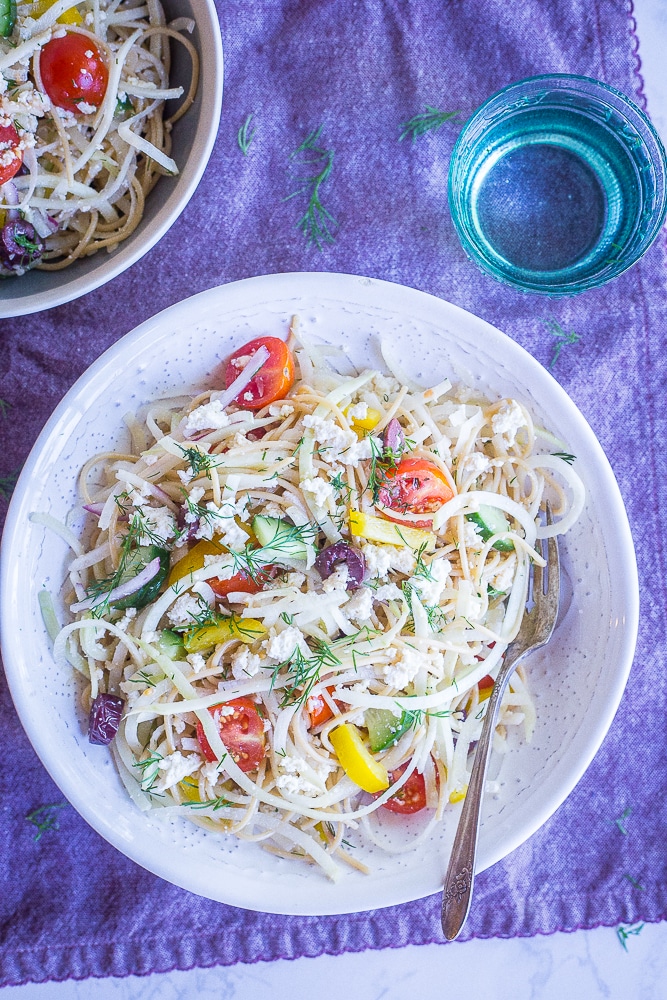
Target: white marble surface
x: 586, y: 965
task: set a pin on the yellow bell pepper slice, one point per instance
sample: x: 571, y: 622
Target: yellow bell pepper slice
x: 367, y: 423
x: 377, y: 529
x: 458, y: 795
x: 356, y: 761
x: 194, y: 560
x: 246, y: 629
x: 71, y: 16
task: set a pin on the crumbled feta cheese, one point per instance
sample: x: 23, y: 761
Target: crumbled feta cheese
x: 280, y: 410
x: 403, y: 561
x: 504, y: 579
x: 358, y: 411
x: 197, y: 662
x: 337, y: 580
x: 150, y: 459
x: 244, y: 663
x: 471, y: 537
x: 210, y: 773
x: 184, y: 610
x: 124, y: 622
x: 360, y: 605
x: 404, y: 668
x: 300, y: 777
x: 377, y: 559
x: 209, y: 416
x: 158, y: 521
x: 473, y: 465
x: 468, y: 604
x: 282, y: 645
x: 318, y: 489
x: 509, y: 419
x: 430, y: 587
x: 232, y: 536
x: 332, y: 440
x: 174, y: 768
x: 388, y: 592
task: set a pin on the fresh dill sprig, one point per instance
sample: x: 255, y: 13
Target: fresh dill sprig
x: 317, y: 162
x: 199, y: 461
x: 45, y: 818
x: 562, y: 337
x: 564, y: 456
x: 7, y: 484
x: 143, y: 678
x: 4, y: 406
x: 620, y: 822
x: 245, y: 136
x: 414, y: 717
x: 427, y: 121
x: 215, y: 804
x: 624, y: 931
x: 634, y: 883
x: 148, y: 777
x: 421, y: 568
x: 302, y: 672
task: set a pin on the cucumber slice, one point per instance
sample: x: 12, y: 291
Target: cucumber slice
x: 137, y: 560
x: 7, y: 17
x: 171, y: 644
x: 385, y: 728
x: 492, y: 521
x: 278, y: 538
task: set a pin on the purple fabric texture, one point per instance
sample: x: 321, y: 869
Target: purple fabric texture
x: 70, y: 905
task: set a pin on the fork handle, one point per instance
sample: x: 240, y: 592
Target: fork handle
x: 460, y: 876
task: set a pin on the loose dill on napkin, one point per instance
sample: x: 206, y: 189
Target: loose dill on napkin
x: 624, y: 931
x: 7, y: 484
x: 563, y: 339
x: 427, y: 121
x: 620, y: 822
x: 317, y: 163
x: 45, y: 818
x: 244, y: 136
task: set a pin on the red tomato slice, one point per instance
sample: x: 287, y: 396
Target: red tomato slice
x: 73, y: 71
x: 241, y: 582
x: 318, y: 709
x: 242, y: 733
x: 274, y: 379
x: 9, y: 150
x: 415, y: 486
x: 411, y: 798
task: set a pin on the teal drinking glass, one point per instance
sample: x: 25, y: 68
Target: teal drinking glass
x: 557, y: 184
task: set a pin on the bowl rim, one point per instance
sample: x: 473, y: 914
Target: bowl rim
x: 129, y: 253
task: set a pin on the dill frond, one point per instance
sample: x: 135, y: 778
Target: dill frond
x: 562, y: 337
x: 7, y: 484
x: 244, y: 136
x: 316, y: 162
x: 427, y: 121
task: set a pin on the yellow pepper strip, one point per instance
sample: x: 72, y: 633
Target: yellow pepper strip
x: 194, y: 560
x: 367, y: 423
x: 377, y: 529
x: 459, y: 795
x: 356, y: 761
x: 246, y: 629
x: 190, y: 789
x: 70, y: 16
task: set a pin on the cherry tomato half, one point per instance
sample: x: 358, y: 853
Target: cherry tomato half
x: 274, y: 379
x: 415, y: 486
x: 241, y: 582
x: 411, y: 797
x: 73, y: 72
x: 9, y: 150
x: 242, y: 732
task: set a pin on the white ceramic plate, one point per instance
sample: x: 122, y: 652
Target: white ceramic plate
x: 577, y: 681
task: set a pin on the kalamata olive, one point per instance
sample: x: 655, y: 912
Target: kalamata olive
x: 393, y: 440
x: 20, y: 244
x: 187, y: 529
x: 340, y: 552
x: 104, y: 720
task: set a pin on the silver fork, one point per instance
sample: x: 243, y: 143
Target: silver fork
x: 536, y: 629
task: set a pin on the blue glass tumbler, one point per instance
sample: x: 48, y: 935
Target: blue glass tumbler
x: 557, y: 184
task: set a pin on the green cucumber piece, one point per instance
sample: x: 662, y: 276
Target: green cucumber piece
x: 171, y: 644
x: 278, y: 538
x: 138, y: 560
x: 491, y: 521
x: 385, y: 728
x: 7, y: 17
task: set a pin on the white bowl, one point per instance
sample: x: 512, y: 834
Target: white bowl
x: 193, y: 138
x: 577, y: 680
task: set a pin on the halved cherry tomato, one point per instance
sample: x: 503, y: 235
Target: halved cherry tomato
x: 9, y: 150
x: 73, y: 71
x: 242, y: 732
x: 274, y: 379
x: 415, y: 486
x: 411, y: 797
x: 241, y: 582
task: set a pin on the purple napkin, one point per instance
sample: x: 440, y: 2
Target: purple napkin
x: 72, y: 906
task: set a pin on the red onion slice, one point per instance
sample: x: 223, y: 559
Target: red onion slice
x: 94, y: 508
x: 241, y: 381
x: 393, y: 440
x: 124, y: 590
x: 10, y: 196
